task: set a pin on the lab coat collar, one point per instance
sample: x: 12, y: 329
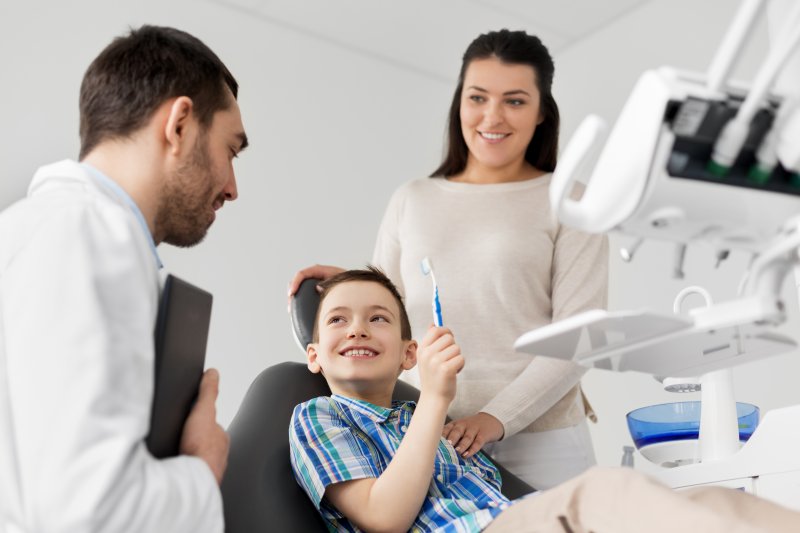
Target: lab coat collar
x: 120, y: 193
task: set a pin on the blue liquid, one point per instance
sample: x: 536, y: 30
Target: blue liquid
x: 681, y: 421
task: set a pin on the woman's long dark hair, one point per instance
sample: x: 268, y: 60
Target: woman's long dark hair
x: 516, y: 48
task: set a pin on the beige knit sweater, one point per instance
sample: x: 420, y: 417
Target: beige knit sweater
x: 503, y: 268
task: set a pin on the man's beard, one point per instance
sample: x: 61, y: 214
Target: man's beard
x: 184, y: 213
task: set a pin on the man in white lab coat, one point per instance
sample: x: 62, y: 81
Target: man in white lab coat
x: 79, y: 289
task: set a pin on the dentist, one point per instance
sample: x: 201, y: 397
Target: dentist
x: 79, y: 288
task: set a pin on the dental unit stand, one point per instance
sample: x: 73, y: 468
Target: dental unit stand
x: 719, y: 426
x: 696, y: 158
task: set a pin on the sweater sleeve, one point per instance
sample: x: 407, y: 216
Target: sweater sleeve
x: 579, y: 282
x: 580, y: 273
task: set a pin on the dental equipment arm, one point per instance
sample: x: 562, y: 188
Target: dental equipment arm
x: 651, y: 180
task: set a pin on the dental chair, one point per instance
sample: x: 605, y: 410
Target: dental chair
x: 259, y: 491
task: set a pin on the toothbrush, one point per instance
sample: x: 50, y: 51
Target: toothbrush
x: 427, y: 268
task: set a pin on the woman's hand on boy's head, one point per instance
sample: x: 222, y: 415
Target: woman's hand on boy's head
x: 468, y: 435
x: 322, y: 272
x: 439, y: 359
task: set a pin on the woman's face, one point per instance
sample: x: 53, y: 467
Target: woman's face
x: 499, y: 112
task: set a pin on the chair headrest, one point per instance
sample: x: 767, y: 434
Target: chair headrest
x: 303, y: 310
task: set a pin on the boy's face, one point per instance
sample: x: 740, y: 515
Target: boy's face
x: 360, y: 350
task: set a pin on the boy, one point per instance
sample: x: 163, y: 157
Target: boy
x: 367, y: 464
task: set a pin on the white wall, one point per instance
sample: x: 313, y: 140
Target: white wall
x: 333, y: 132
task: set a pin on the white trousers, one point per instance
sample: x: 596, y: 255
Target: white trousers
x: 546, y: 458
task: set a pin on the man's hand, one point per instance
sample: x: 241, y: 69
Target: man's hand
x: 439, y: 360
x: 468, y: 435
x: 202, y: 436
x: 322, y: 272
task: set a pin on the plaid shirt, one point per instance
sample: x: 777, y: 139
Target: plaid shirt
x: 335, y: 439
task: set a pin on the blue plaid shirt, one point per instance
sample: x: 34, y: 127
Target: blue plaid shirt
x: 335, y: 439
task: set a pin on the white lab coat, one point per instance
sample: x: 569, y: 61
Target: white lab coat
x: 78, y: 300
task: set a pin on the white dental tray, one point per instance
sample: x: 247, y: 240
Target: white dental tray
x: 645, y: 341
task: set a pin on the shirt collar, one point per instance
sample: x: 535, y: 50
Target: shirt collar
x: 120, y: 193
x: 374, y: 412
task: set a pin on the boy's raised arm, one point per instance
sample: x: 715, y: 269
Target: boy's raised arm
x: 392, y: 501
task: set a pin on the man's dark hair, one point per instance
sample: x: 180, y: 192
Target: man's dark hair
x: 371, y: 274
x: 135, y: 74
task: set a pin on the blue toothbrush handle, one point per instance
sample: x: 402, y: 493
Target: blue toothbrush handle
x: 437, y: 308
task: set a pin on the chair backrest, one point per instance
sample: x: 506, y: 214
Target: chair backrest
x: 259, y: 490
x: 303, y: 311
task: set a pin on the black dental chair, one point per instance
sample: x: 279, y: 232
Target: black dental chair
x: 259, y: 491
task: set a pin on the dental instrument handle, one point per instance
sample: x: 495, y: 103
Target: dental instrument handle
x: 729, y: 51
x: 730, y: 141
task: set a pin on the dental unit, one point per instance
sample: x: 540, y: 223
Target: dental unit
x: 697, y: 158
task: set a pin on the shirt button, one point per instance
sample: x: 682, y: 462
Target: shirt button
x: 440, y: 477
x: 492, y: 504
x: 403, y: 428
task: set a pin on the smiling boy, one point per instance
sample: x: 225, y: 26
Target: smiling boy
x: 365, y: 462
x: 369, y: 465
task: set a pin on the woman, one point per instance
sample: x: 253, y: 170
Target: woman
x: 502, y: 264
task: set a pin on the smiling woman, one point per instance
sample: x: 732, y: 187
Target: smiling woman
x: 503, y: 266
x: 499, y: 116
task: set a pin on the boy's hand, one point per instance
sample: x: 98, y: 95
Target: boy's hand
x: 439, y: 360
x: 468, y: 435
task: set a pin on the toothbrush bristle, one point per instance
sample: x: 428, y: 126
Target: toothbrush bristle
x: 425, y: 264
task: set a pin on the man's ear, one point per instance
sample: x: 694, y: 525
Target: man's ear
x: 311, y: 355
x: 180, y: 119
x: 410, y: 355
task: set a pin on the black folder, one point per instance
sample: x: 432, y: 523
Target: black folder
x: 181, y: 335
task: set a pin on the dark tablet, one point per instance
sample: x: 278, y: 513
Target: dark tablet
x: 181, y: 334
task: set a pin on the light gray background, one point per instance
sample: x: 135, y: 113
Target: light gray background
x: 343, y: 101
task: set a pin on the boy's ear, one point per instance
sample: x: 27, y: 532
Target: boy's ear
x: 311, y: 355
x: 410, y: 355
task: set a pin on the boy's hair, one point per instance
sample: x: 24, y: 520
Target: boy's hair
x: 371, y: 274
x: 137, y: 73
